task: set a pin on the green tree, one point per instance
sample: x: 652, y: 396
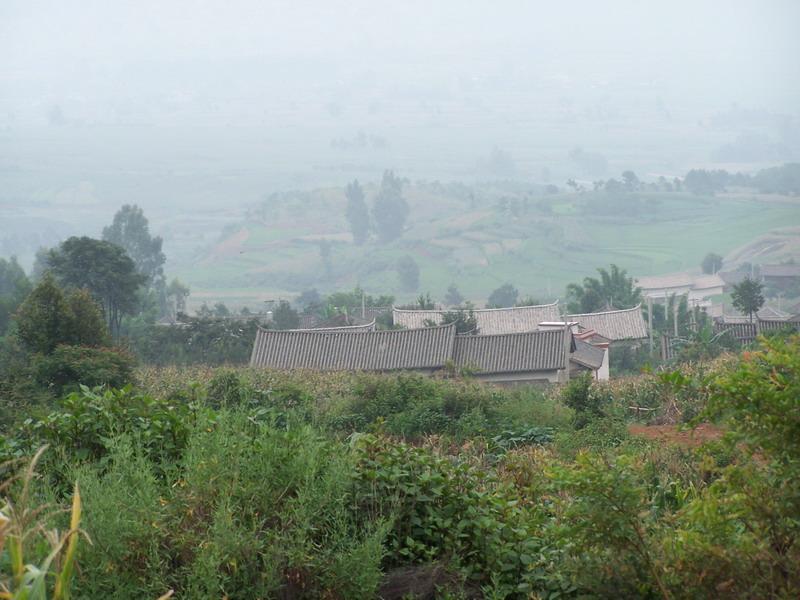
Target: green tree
x: 408, y: 271
x: 130, y: 231
x: 14, y: 287
x: 177, y: 293
x: 49, y: 318
x: 503, y: 297
x: 711, y: 263
x: 453, y: 297
x: 613, y: 290
x: 747, y: 296
x: 43, y: 320
x: 285, y: 317
x: 390, y: 210
x: 102, y: 268
x: 463, y: 318
x: 631, y: 181
x: 85, y: 325
x: 41, y: 264
x: 357, y: 212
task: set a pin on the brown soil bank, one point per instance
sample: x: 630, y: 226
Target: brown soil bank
x: 672, y: 434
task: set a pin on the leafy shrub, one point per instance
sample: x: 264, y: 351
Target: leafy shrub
x: 582, y: 396
x: 85, y: 421
x: 599, y: 435
x: 446, y: 510
x: 70, y: 366
x: 249, y: 511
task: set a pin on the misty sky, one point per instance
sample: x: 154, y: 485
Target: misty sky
x: 218, y: 103
x: 97, y: 51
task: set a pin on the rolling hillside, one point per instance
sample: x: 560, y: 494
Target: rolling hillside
x: 481, y: 237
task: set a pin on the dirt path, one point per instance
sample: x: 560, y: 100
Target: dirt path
x: 671, y: 434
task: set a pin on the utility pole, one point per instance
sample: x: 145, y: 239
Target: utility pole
x: 650, y: 322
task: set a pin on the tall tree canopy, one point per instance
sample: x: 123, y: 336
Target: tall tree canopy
x: 102, y: 268
x: 408, y: 271
x: 285, y: 317
x: 453, y: 297
x: 48, y: 317
x: 14, y: 287
x: 747, y: 296
x: 390, y: 210
x: 711, y: 263
x: 130, y: 230
x: 613, y: 290
x: 503, y: 297
x: 357, y: 212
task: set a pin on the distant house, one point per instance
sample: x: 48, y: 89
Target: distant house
x: 767, y: 320
x: 615, y: 325
x: 780, y: 276
x: 490, y: 321
x: 335, y: 322
x: 531, y: 357
x: 697, y: 288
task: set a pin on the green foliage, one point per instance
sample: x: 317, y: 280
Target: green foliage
x: 747, y: 296
x: 195, y: 340
x: 441, y: 509
x: 67, y: 367
x: 453, y: 297
x: 760, y: 398
x: 130, y: 231
x: 712, y: 263
x: 408, y: 272
x: 14, y: 287
x: 285, y: 317
x: 609, y: 552
x: 239, y: 483
x: 249, y: 511
x: 613, y: 290
x: 42, y: 321
x: 86, y: 421
x: 503, y: 297
x: 582, y: 396
x: 357, y: 213
x: 390, y: 210
x: 102, y: 268
x: 464, y: 319
x: 23, y: 531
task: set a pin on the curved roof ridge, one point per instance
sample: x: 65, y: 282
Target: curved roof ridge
x: 606, y: 312
x: 514, y: 333
x: 444, y: 310
x: 339, y: 329
x: 342, y: 327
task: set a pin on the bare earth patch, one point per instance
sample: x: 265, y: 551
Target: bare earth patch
x: 672, y: 434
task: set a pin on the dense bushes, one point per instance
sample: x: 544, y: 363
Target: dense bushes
x: 252, y: 484
x: 71, y: 366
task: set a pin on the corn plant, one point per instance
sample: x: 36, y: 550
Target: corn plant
x: 20, y: 523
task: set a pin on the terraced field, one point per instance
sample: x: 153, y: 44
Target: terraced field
x: 538, y: 242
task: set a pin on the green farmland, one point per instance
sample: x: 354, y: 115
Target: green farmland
x: 482, y: 237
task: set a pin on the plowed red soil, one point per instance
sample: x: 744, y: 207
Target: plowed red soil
x: 671, y: 434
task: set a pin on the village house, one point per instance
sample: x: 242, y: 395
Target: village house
x: 517, y: 319
x: 699, y: 289
x: 547, y: 356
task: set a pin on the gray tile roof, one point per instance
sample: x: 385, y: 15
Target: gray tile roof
x: 616, y: 325
x: 780, y: 270
x: 509, y: 353
x: 339, y: 321
x: 587, y: 355
x: 343, y: 350
x: 490, y: 321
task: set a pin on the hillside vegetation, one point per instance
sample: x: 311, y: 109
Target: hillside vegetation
x: 221, y: 483
x: 481, y: 237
